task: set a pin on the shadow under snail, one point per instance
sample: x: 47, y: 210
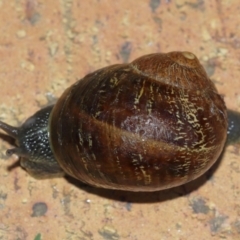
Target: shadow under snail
x: 155, y: 123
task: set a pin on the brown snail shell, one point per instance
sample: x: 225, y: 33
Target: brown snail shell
x: 153, y: 124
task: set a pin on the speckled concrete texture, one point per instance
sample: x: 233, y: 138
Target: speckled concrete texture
x: 45, y: 46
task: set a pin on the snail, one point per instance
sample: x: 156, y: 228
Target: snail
x: 155, y: 123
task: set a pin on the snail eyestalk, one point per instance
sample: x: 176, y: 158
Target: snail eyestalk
x: 14, y: 133
x: 10, y: 130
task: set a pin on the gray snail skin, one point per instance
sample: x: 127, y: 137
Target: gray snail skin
x: 155, y: 123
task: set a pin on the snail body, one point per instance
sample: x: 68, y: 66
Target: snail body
x: 153, y: 124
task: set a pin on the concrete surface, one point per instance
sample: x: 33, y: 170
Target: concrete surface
x: 45, y: 46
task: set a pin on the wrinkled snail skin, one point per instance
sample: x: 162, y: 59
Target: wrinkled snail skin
x: 153, y: 124
x: 33, y: 145
x: 233, y: 132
